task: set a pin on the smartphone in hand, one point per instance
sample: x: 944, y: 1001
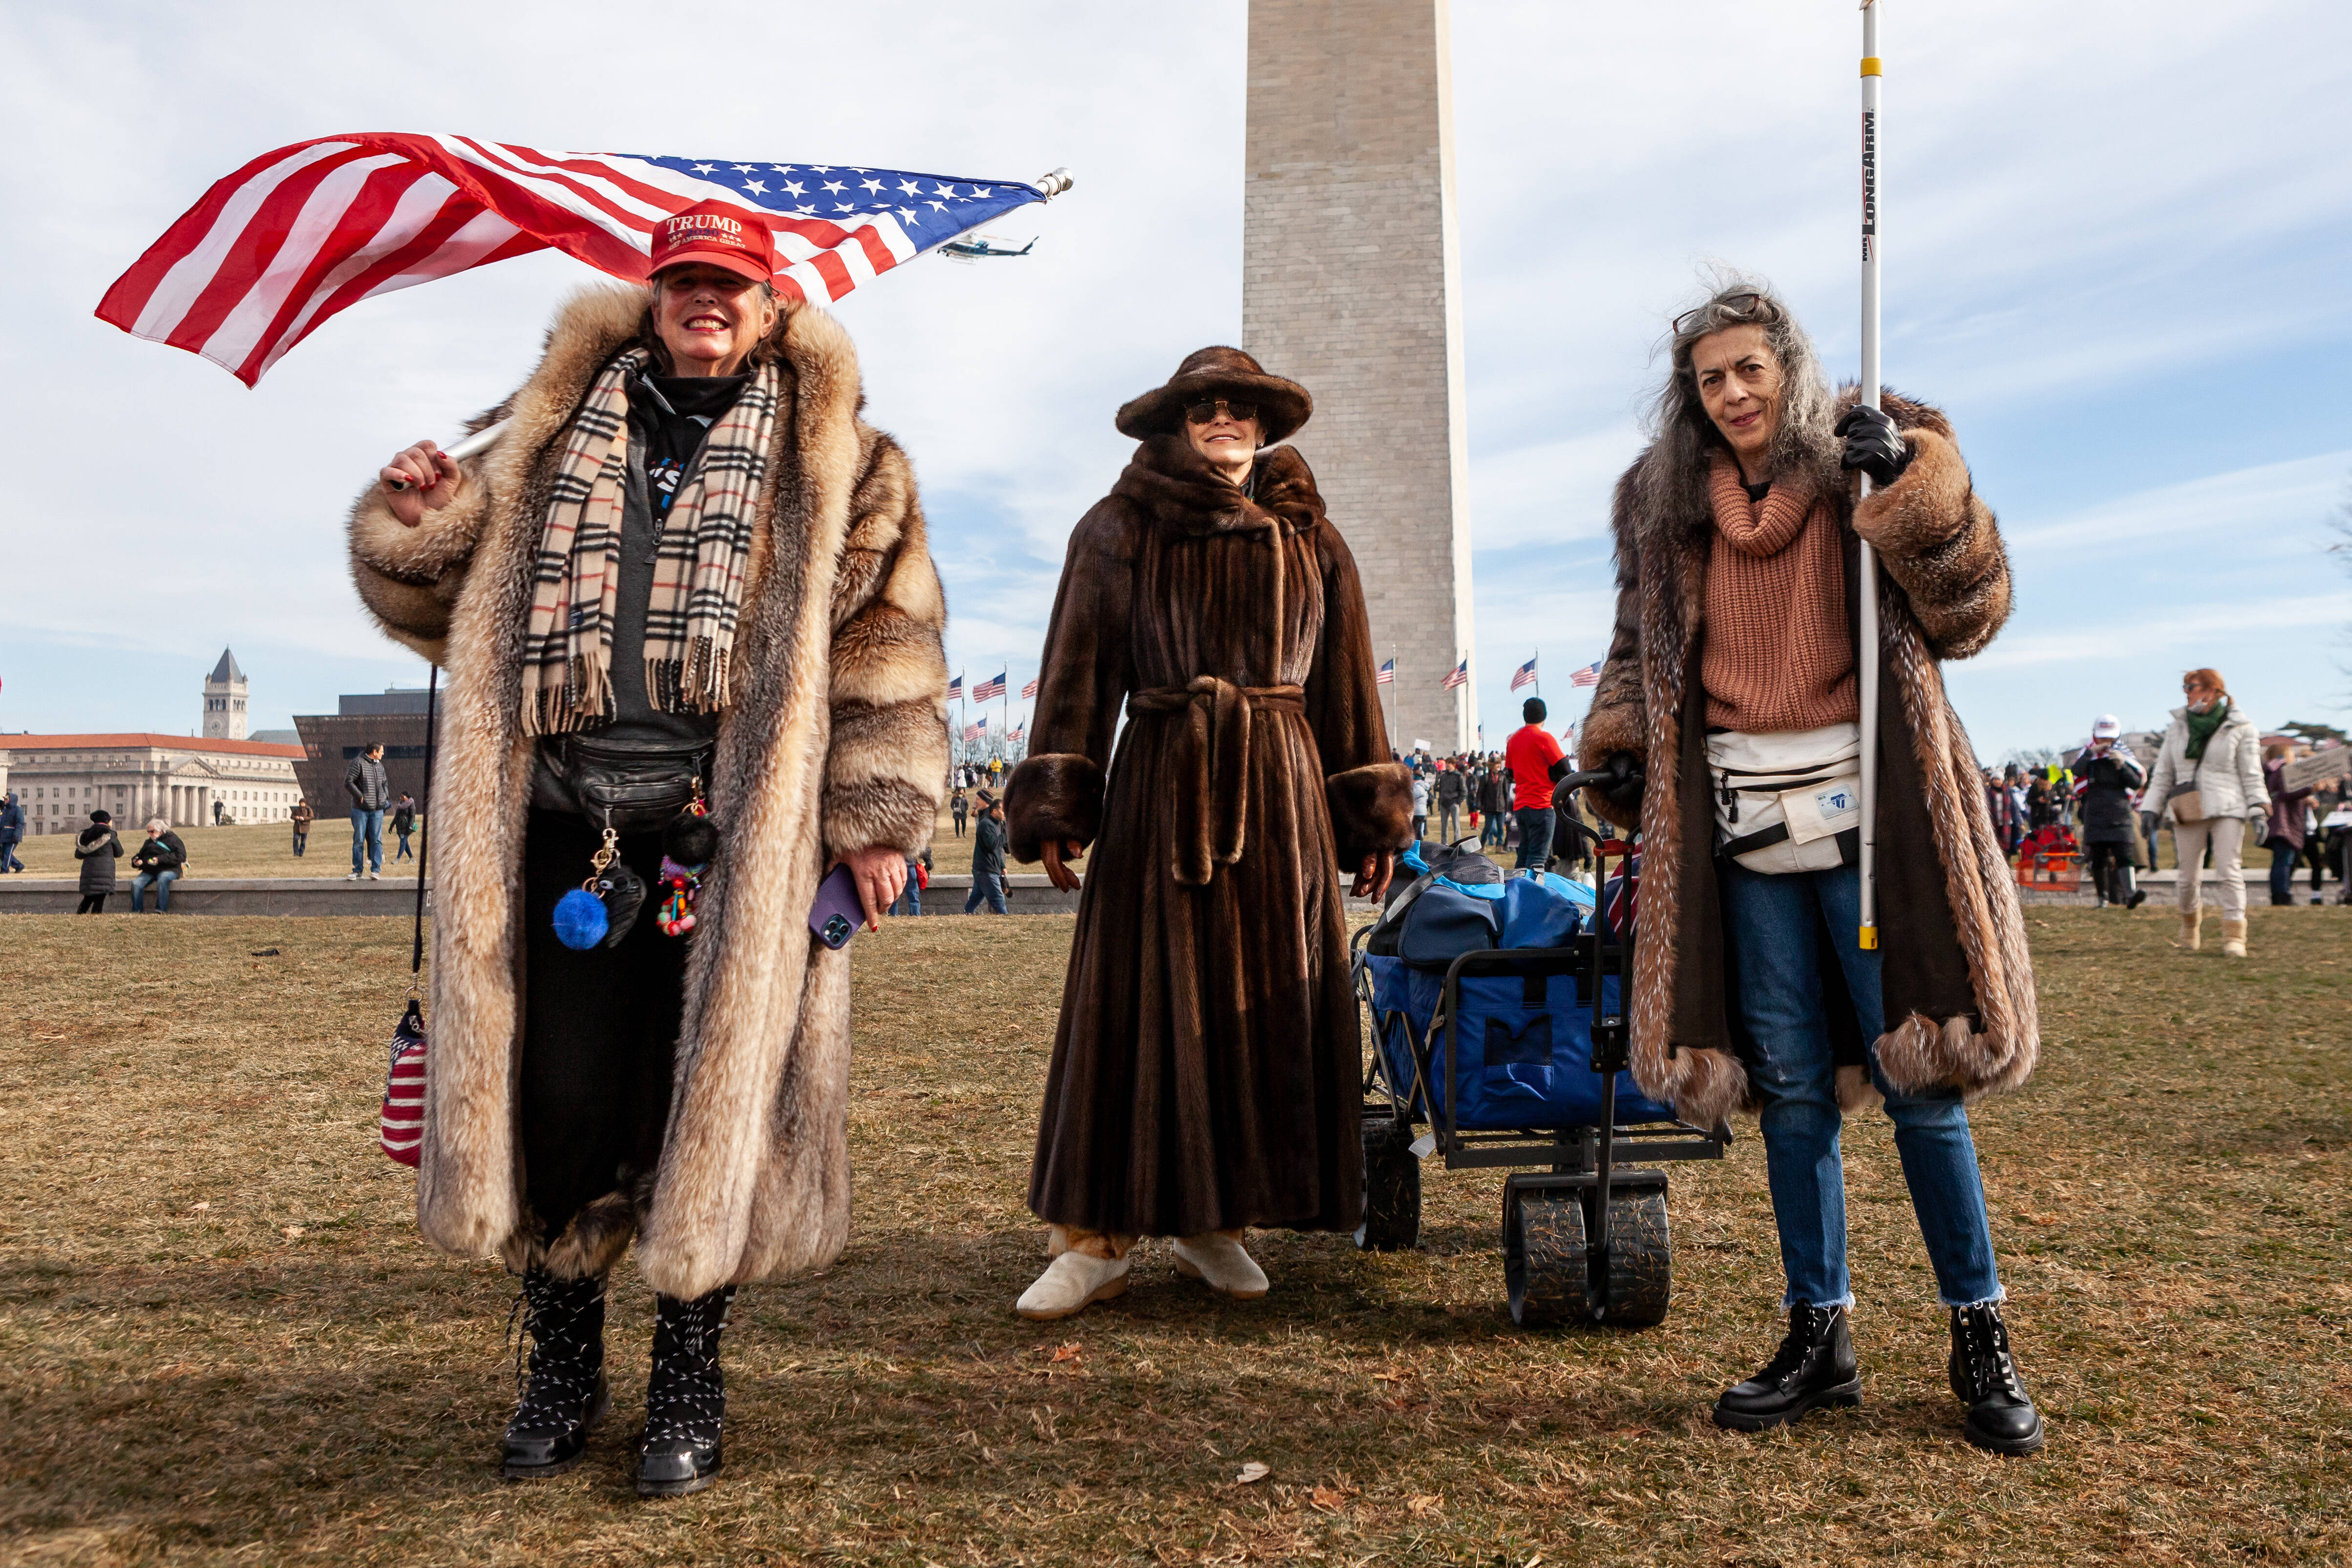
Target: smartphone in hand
x: 838, y: 911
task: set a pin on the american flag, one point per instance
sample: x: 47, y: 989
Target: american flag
x: 1031, y: 690
x: 989, y: 690
x: 1387, y: 677
x: 975, y: 732
x: 1525, y: 675
x: 1588, y: 675
x: 955, y: 689
x: 1461, y: 676
x: 302, y: 232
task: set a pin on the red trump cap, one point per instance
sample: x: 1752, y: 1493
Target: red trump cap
x: 718, y: 234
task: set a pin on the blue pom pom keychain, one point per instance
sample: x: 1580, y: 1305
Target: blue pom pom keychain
x: 580, y: 919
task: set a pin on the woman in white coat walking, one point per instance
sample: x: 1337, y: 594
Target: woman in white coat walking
x: 2210, y: 773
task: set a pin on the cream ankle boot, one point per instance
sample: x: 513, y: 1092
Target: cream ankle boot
x: 2189, y: 920
x: 1071, y: 1283
x: 2233, y: 938
x: 1218, y: 1261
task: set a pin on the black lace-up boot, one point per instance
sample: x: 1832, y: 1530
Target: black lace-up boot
x: 2001, y: 1417
x: 1815, y: 1366
x: 686, y: 1397
x: 565, y: 1394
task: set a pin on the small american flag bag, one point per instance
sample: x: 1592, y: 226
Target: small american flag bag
x: 401, y: 1128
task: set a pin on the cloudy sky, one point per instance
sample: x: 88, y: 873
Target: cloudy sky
x: 2117, y: 238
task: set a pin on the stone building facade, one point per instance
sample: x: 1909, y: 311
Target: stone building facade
x: 1351, y: 286
x: 60, y: 779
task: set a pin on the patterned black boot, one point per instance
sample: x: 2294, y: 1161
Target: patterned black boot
x: 2001, y: 1417
x: 1815, y: 1366
x: 686, y: 1397
x: 565, y: 1394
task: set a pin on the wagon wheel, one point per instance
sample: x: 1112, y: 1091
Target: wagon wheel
x: 1641, y: 1259
x: 1391, y: 1186
x: 1544, y: 1261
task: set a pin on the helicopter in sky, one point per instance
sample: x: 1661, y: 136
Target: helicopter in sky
x: 970, y: 248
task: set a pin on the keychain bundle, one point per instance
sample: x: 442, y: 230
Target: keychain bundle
x: 602, y: 911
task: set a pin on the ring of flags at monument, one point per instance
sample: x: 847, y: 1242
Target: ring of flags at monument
x: 1524, y: 676
x: 1458, y: 676
x: 989, y: 690
x: 1588, y: 675
x: 1387, y: 677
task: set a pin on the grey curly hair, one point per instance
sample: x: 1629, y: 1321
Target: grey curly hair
x: 1673, y: 472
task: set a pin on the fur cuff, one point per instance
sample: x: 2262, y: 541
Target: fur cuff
x: 1925, y: 508
x: 1371, y: 811
x: 590, y: 1243
x: 1606, y: 731
x: 409, y: 577
x: 1052, y: 796
x: 1704, y: 1086
x: 885, y: 776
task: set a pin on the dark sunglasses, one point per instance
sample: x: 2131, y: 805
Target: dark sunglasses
x: 1203, y: 412
x: 1731, y: 304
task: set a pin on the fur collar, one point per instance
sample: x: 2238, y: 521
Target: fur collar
x: 1175, y: 487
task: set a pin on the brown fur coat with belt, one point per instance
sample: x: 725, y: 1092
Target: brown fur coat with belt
x: 835, y: 740
x: 1957, y: 982
x: 1206, y: 1066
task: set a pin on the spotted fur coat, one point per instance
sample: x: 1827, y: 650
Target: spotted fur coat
x: 1957, y: 982
x: 836, y: 740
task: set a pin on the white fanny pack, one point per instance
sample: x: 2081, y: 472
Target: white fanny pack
x: 1788, y: 802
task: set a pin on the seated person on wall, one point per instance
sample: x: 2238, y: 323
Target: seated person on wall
x: 687, y: 575
x: 1732, y: 682
x: 1205, y: 1070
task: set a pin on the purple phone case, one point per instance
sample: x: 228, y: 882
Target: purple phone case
x: 836, y: 900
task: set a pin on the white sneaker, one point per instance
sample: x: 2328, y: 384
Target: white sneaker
x: 375, y: 876
x: 352, y: 878
x: 1220, y: 1263
x: 1071, y: 1283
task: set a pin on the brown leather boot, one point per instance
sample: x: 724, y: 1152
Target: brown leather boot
x: 2189, y: 920
x: 2233, y: 938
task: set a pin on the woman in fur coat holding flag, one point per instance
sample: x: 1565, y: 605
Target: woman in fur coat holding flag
x: 1732, y: 684
x: 1205, y: 1070
x: 687, y: 556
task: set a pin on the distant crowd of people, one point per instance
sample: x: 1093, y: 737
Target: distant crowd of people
x: 2214, y: 781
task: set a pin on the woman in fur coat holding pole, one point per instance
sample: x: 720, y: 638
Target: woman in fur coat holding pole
x: 690, y: 585
x: 1205, y: 1070
x: 1731, y: 683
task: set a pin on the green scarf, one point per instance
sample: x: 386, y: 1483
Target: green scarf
x: 2203, y: 725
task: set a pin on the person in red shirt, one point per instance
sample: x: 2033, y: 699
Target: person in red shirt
x: 1536, y: 762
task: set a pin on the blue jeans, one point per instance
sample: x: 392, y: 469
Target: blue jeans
x: 367, y: 832
x: 1775, y: 925
x: 988, y: 885
x: 910, y: 902
x: 405, y: 852
x: 8, y: 861
x: 1535, y: 835
x: 2284, y: 858
x: 162, y: 882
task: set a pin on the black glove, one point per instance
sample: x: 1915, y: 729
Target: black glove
x: 1873, y: 444
x: 1625, y: 792
x: 2147, y: 827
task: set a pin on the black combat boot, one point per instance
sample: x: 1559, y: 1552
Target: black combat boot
x: 1815, y: 1366
x: 2001, y: 1417
x: 686, y: 1397
x: 565, y: 1394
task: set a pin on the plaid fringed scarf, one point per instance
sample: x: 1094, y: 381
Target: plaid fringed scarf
x: 699, y: 563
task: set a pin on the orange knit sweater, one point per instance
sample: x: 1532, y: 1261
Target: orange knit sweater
x: 1776, y: 655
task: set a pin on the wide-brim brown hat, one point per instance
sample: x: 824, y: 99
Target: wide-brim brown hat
x: 1282, y: 406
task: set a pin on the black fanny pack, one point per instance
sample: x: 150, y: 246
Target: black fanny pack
x: 632, y: 789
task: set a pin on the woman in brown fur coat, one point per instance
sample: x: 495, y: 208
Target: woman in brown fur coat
x: 1731, y: 683
x: 686, y: 551
x: 1204, y: 1077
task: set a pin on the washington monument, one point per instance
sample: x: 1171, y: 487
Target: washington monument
x: 1351, y: 285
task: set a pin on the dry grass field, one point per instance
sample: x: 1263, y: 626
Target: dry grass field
x: 221, y: 1342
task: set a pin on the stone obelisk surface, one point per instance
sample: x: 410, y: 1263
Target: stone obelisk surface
x: 1351, y: 286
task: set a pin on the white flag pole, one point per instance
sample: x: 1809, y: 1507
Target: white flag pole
x: 1871, y: 78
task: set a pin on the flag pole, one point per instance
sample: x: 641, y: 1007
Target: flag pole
x: 1868, y: 558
